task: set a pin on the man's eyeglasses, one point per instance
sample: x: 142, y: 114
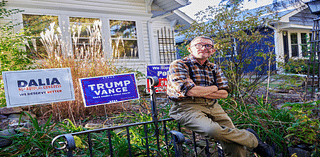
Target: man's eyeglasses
x: 207, y: 46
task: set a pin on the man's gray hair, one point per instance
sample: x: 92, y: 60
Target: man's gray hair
x: 203, y: 37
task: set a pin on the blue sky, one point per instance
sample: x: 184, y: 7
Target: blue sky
x: 197, y: 5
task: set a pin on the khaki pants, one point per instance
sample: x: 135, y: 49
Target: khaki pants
x: 207, y: 118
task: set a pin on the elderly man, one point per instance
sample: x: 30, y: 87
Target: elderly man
x: 194, y: 85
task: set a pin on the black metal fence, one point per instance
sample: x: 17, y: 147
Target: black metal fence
x: 69, y: 143
x: 158, y: 140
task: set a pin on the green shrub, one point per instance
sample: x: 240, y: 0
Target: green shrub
x: 12, y: 55
x: 298, y: 66
x: 238, y: 43
x: 306, y: 128
x: 268, y: 122
x: 34, y: 141
x: 183, y: 50
x: 283, y: 127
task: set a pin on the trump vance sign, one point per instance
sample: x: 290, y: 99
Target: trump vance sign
x: 28, y: 87
x: 109, y: 89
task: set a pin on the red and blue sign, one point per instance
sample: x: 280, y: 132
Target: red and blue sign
x: 109, y: 89
x: 159, y: 71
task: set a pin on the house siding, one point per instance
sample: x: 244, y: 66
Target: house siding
x: 252, y: 51
x: 163, y: 25
x: 303, y: 18
x: 124, y: 7
x: 155, y: 26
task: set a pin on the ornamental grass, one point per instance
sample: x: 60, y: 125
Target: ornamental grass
x: 87, y: 60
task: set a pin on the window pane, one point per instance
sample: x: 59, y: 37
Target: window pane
x: 123, y: 29
x: 33, y: 25
x: 124, y: 39
x: 310, y: 36
x: 304, y: 38
x: 294, y: 45
x: 294, y: 49
x: 86, y: 37
x: 294, y: 38
x: 125, y: 48
x: 304, y: 48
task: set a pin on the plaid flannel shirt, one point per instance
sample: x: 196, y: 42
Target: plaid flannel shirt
x: 202, y: 75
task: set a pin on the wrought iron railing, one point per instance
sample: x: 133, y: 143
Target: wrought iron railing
x: 69, y: 144
x: 167, y: 47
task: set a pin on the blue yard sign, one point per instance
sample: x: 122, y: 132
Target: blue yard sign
x: 159, y: 71
x: 108, y: 89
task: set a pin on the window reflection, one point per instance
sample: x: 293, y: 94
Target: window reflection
x: 294, y: 45
x: 304, y: 44
x: 86, y: 37
x: 124, y: 39
x: 33, y: 25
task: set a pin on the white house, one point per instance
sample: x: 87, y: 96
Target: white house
x: 142, y: 19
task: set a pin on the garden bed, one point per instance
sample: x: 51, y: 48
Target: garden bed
x: 123, y: 113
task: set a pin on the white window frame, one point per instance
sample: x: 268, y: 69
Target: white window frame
x: 300, y: 56
x: 137, y: 39
x: 108, y: 41
x: 105, y: 30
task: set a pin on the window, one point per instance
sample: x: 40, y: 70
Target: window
x: 304, y: 47
x: 299, y: 44
x: 33, y: 25
x: 86, y: 37
x: 294, y: 45
x: 124, y: 39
